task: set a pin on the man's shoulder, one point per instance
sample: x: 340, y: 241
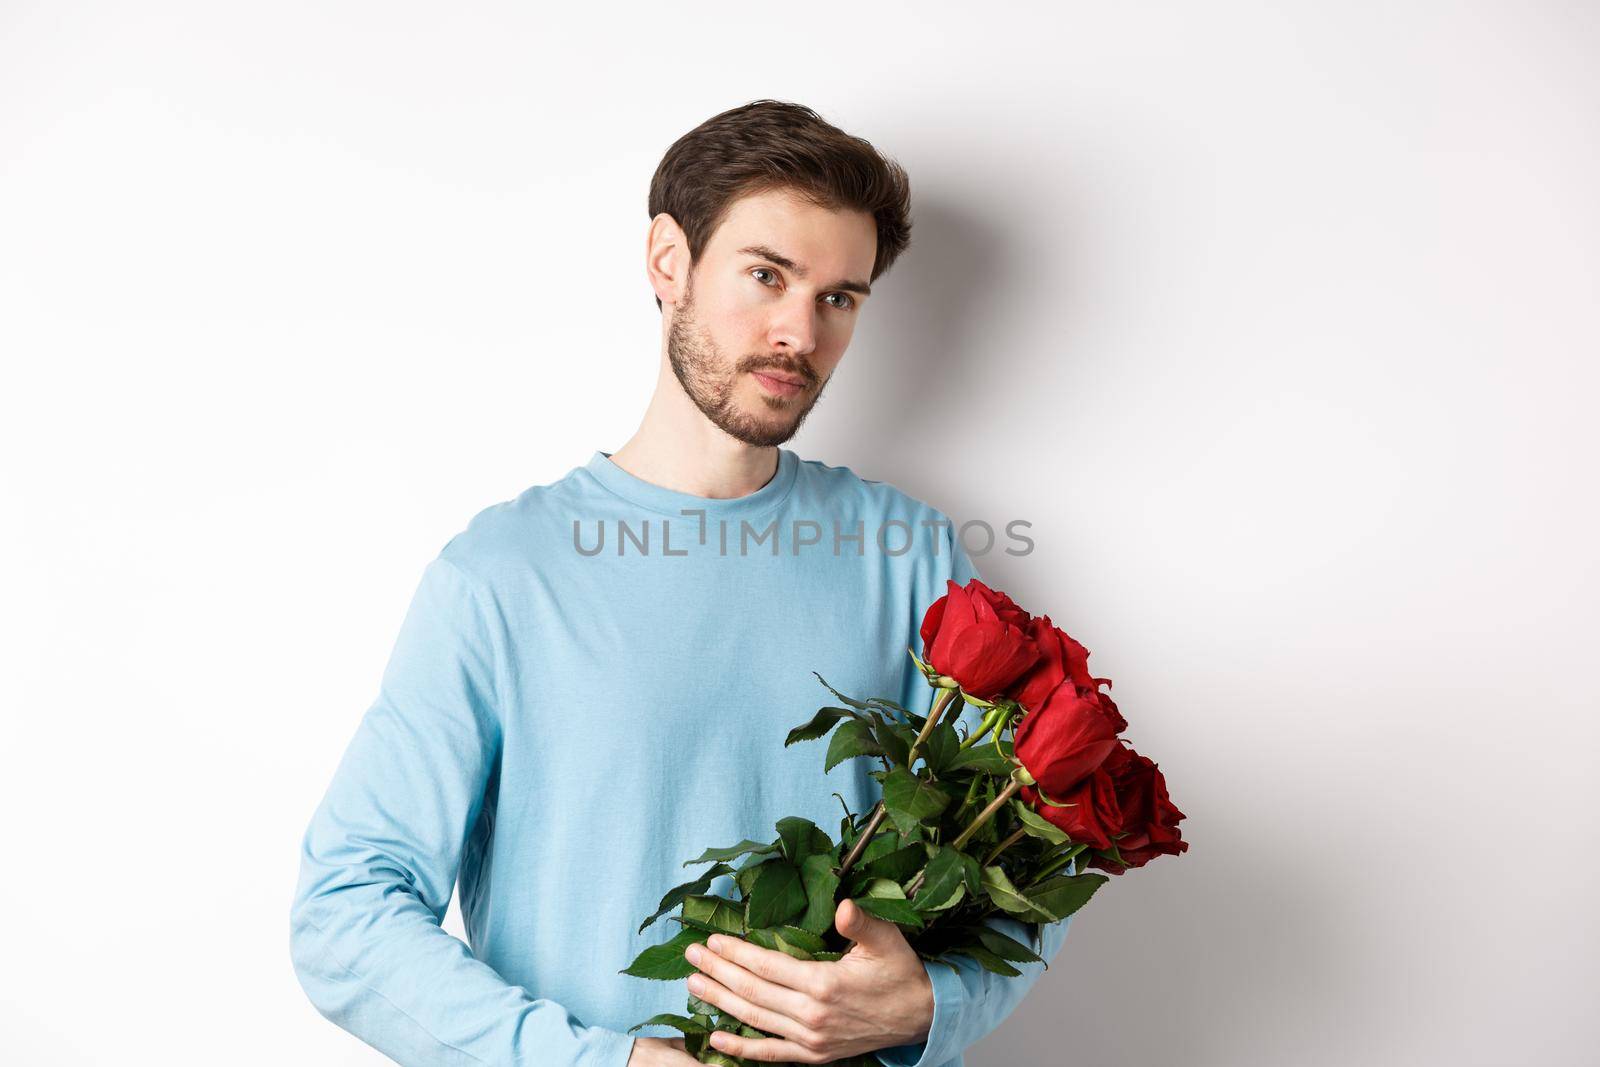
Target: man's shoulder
x: 839, y: 485
x: 518, y: 530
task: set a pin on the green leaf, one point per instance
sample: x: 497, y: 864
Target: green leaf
x: 697, y: 924
x: 732, y: 851
x: 882, y: 844
x: 681, y: 1023
x: 941, y: 746
x: 666, y: 961
x: 895, y: 739
x: 801, y: 938
x: 942, y: 880
x: 763, y: 936
x: 903, y: 821
x: 885, y: 888
x: 1007, y: 947
x: 955, y: 897
x: 719, y: 912
x: 1037, y: 825
x: 801, y: 838
x: 895, y: 910
x: 788, y: 945
x: 821, y: 883
x: 857, y: 704
x: 745, y: 876
x: 897, y: 864
x: 1061, y: 896
x: 853, y: 738
x: 1113, y: 854
x: 819, y: 725
x: 916, y: 796
x: 980, y: 757
x: 990, y: 961
x: 1008, y: 898
x: 983, y: 757
x: 675, y: 895
x: 777, y: 895
x: 972, y: 874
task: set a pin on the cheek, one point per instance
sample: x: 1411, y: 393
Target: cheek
x: 832, y: 340
x: 740, y: 328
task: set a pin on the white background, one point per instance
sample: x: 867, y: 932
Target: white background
x: 1277, y: 320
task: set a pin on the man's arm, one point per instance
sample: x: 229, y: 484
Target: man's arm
x: 384, y: 848
x: 969, y: 1003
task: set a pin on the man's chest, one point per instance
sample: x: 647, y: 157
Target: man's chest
x: 720, y: 651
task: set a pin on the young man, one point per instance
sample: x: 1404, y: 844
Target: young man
x: 594, y: 680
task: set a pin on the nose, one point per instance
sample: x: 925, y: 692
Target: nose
x: 794, y: 327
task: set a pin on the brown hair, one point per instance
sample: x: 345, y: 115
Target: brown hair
x: 773, y: 144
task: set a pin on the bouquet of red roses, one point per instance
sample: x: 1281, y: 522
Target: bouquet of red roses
x: 969, y: 826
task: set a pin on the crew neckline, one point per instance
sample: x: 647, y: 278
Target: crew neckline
x: 672, y: 502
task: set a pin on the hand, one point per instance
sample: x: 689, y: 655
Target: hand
x: 660, y: 1052
x: 877, y: 995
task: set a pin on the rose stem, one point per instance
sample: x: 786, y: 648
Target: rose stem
x: 1053, y: 866
x: 878, y: 812
x: 983, y: 816
x: 990, y: 721
x: 1016, y: 835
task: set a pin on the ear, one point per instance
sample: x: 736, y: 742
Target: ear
x: 667, y: 258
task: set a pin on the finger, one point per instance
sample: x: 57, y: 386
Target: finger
x: 746, y: 1009
x: 764, y: 1049
x: 750, y: 985
x: 865, y: 929
x: 780, y: 968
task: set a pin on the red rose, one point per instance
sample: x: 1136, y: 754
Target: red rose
x: 1004, y: 607
x: 1149, y: 818
x: 1108, y: 707
x: 1060, y: 658
x: 1065, y: 738
x: 1093, y: 816
x: 966, y: 636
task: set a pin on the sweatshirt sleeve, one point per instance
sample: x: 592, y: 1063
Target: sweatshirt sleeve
x: 969, y: 1003
x: 383, y: 850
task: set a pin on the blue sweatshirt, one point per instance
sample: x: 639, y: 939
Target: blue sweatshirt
x: 592, y: 684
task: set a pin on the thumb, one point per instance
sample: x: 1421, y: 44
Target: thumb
x: 869, y: 931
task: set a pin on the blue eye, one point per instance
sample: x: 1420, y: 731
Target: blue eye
x: 849, y: 301
x: 761, y: 270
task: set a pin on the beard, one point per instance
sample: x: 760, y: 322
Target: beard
x: 711, y: 380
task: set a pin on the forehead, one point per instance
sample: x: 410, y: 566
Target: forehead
x: 828, y: 243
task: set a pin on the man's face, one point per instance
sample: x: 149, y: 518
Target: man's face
x: 767, y: 312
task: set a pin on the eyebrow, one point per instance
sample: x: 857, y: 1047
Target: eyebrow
x: 763, y: 252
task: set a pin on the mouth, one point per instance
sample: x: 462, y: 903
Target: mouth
x: 778, y: 384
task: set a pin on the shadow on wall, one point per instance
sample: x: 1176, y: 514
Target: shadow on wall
x: 911, y: 364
